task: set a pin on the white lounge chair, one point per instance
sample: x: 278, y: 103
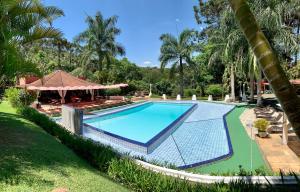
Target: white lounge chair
x: 178, y: 98
x: 227, y: 99
x: 194, y: 98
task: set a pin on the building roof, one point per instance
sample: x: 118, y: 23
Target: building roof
x: 61, y: 80
x: 295, y: 81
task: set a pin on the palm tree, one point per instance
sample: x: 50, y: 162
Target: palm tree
x: 176, y: 51
x: 100, y: 37
x: 228, y: 47
x: 22, y: 22
x: 60, y: 43
x: 230, y: 41
x: 269, y: 62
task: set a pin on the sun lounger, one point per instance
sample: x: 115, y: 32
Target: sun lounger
x: 276, y: 129
x: 276, y: 120
x: 265, y: 114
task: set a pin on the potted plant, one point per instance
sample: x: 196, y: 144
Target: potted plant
x: 262, y: 125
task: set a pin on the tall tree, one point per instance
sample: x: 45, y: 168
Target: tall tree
x: 226, y: 35
x: 61, y: 43
x: 176, y: 51
x: 269, y: 62
x: 23, y: 22
x: 100, y: 38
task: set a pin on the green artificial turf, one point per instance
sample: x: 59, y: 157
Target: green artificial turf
x: 241, y: 150
x: 32, y: 160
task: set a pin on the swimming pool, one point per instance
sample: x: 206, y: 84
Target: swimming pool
x: 143, y: 125
x: 201, y: 137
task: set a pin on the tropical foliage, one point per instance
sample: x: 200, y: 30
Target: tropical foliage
x: 23, y: 22
x: 19, y: 97
x: 177, y: 51
x: 99, y: 42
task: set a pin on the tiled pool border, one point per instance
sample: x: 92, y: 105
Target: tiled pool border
x: 152, y: 143
x: 229, y: 154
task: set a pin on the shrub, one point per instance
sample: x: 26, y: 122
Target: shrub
x: 97, y: 155
x: 163, y: 87
x: 11, y: 95
x: 175, y: 91
x: 26, y: 97
x: 189, y: 92
x: 19, y: 97
x: 125, y: 171
x: 261, y: 125
x: 214, y: 89
x: 136, y: 177
x: 113, y: 92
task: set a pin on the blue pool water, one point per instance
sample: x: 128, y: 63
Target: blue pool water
x: 140, y: 123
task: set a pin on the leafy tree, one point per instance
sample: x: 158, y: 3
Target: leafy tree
x: 176, y: 51
x: 163, y: 87
x: 100, y: 39
x: 124, y: 71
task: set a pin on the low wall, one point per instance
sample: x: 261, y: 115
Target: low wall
x: 276, y: 180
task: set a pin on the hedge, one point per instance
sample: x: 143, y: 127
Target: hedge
x: 96, y: 154
x: 135, y: 177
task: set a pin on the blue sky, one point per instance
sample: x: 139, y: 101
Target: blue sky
x: 141, y: 21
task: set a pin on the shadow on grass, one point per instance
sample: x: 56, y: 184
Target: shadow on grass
x: 26, y: 152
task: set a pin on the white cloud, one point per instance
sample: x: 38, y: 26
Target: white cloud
x: 147, y: 63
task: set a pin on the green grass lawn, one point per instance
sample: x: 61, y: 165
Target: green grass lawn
x: 32, y: 160
x: 241, y: 150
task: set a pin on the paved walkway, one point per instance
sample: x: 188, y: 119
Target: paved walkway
x: 248, y: 116
x: 278, y: 156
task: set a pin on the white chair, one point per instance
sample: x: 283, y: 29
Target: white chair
x: 164, y: 97
x: 244, y: 98
x: 210, y: 98
x: 227, y: 99
x: 178, y: 98
x: 194, y: 98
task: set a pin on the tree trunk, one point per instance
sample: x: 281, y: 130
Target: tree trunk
x: 59, y: 53
x: 70, y: 58
x: 100, y: 67
x: 269, y: 63
x: 181, y: 76
x: 232, y: 82
x: 251, y: 86
x: 297, y: 40
x: 259, y: 79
